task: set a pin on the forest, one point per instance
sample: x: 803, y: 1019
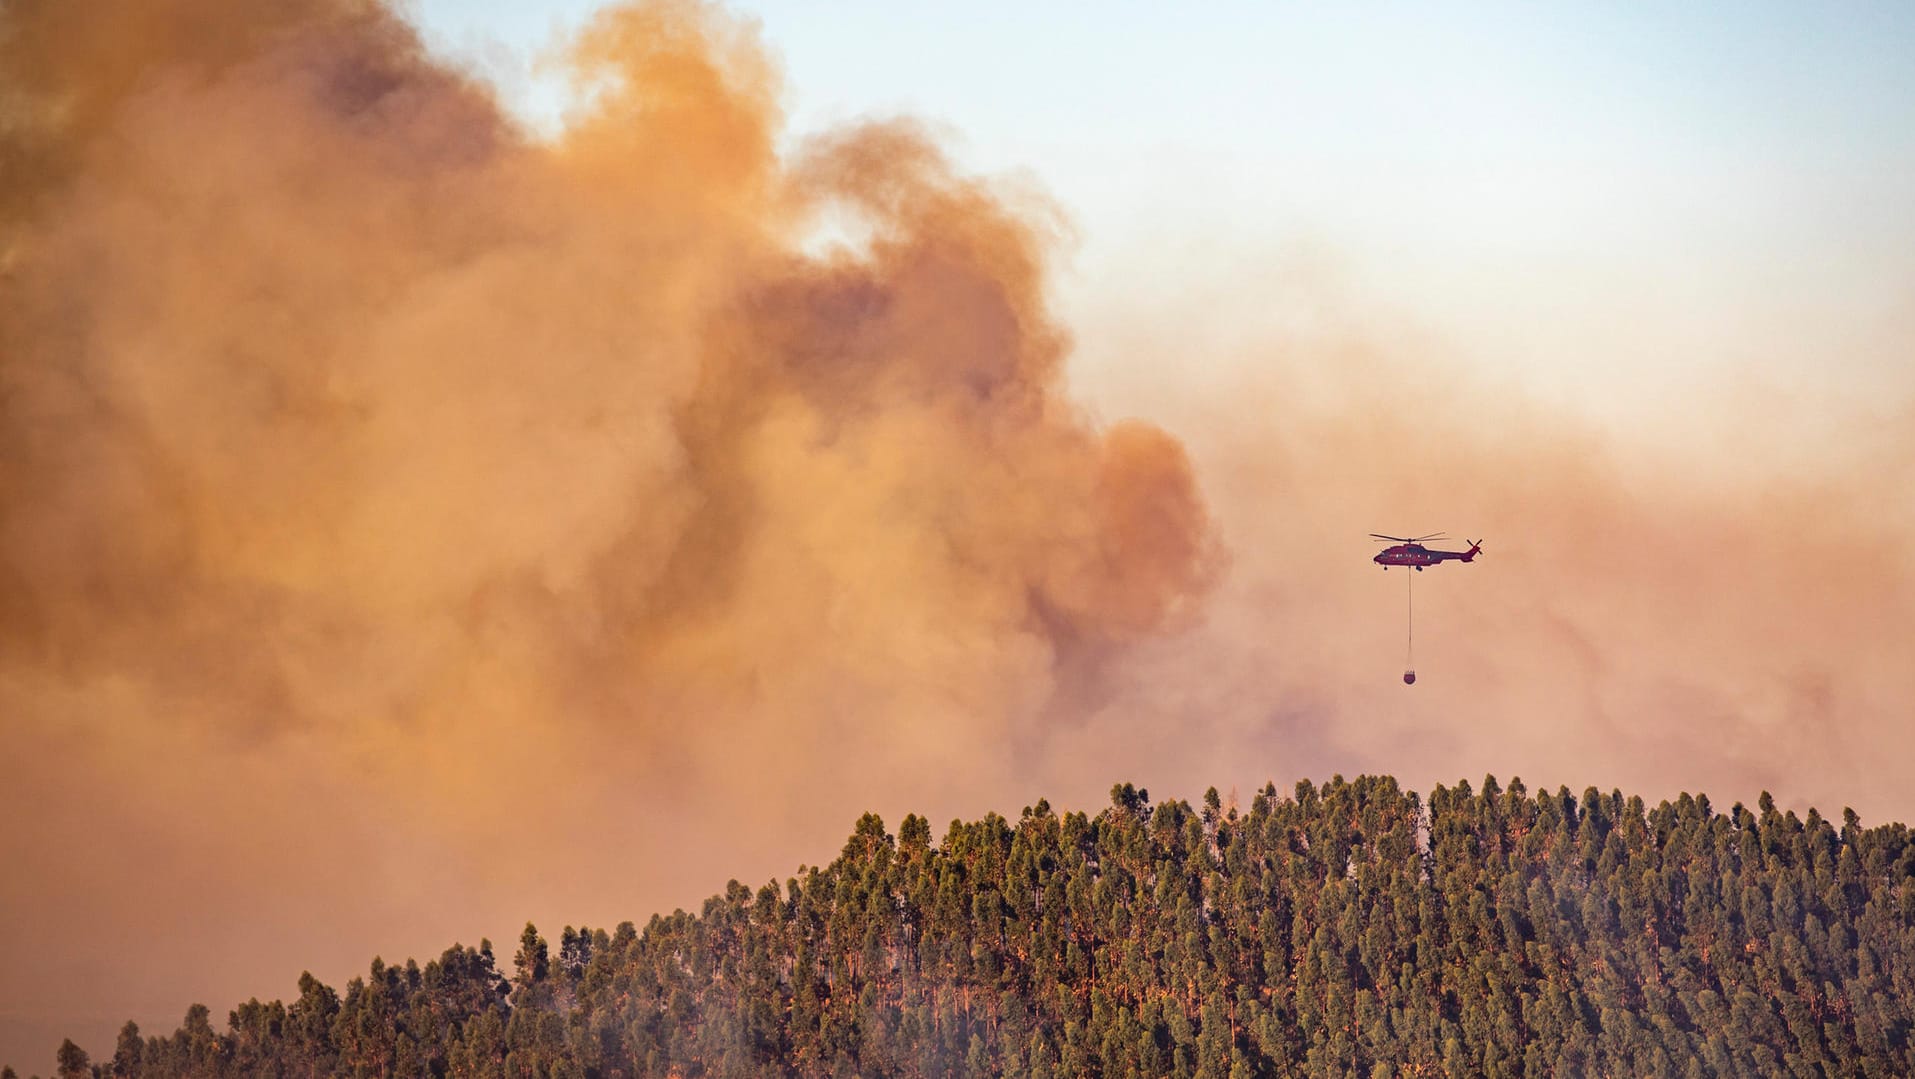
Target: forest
x: 1347, y: 929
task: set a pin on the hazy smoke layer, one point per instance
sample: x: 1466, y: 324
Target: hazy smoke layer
x: 408, y: 526
x: 1726, y: 608
x: 387, y: 496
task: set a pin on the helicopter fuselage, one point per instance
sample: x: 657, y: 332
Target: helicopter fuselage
x: 1417, y: 556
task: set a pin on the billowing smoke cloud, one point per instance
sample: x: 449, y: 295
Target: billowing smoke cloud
x: 409, y: 526
x: 397, y: 508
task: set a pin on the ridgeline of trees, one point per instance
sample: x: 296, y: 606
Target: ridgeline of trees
x: 1351, y: 930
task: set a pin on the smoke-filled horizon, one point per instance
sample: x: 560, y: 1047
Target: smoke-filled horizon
x: 413, y: 525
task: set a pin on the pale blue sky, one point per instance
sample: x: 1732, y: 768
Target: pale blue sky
x: 1610, y: 202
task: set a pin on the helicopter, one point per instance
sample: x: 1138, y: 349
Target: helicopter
x: 1409, y: 551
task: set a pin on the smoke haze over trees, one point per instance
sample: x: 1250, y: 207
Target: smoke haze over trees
x: 1350, y: 929
x: 384, y: 486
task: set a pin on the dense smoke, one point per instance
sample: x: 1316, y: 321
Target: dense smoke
x: 389, y: 494
x: 410, y: 525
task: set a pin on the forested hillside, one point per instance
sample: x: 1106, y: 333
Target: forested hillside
x: 1352, y: 929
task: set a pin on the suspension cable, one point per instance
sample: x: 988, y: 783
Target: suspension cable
x: 1409, y: 648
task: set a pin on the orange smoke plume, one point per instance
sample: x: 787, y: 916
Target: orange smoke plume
x: 383, y: 487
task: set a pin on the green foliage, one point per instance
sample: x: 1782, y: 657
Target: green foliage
x: 1352, y: 929
x: 73, y: 1062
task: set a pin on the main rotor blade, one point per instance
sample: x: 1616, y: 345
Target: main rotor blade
x: 1431, y: 536
x: 1394, y: 539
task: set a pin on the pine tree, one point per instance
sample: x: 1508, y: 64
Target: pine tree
x: 73, y: 1062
